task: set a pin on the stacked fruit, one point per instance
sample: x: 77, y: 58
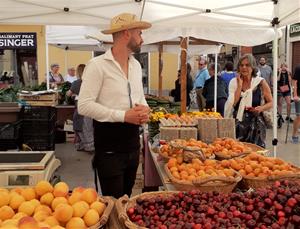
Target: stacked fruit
x: 229, y: 147
x: 275, y: 207
x: 256, y: 165
x: 175, y: 147
x: 205, y: 114
x: 44, y: 206
x: 197, y: 169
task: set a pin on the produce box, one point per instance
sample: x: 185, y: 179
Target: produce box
x: 9, y: 112
x: 188, y: 133
x: 226, y: 128
x: 50, y: 99
x: 169, y: 133
x: 207, y: 129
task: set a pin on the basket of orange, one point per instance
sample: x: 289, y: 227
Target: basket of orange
x: 261, y: 171
x: 204, y: 176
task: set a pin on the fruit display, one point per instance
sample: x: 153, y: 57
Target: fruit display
x: 205, y: 176
x: 229, y: 147
x: 258, y: 166
x: 176, y: 120
x: 175, y: 148
x: 45, y: 206
x: 205, y: 114
x: 273, y: 207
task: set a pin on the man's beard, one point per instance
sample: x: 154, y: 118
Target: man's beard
x: 133, y: 46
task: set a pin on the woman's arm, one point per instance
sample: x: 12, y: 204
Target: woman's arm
x: 266, y: 92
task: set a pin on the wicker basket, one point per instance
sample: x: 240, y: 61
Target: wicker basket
x: 104, y: 218
x: 213, y: 183
x: 259, y: 182
x: 125, y: 203
x: 256, y: 148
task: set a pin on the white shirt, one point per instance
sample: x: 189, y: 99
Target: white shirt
x: 104, y: 93
x: 70, y: 79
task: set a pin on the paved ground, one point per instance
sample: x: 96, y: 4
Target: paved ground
x: 76, y: 166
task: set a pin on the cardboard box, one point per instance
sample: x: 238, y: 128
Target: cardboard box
x: 226, y: 128
x: 188, y: 133
x: 169, y: 133
x: 207, y: 129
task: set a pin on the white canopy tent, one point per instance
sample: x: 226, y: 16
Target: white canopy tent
x: 239, y: 22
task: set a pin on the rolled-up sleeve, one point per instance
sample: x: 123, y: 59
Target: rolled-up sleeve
x: 92, y: 82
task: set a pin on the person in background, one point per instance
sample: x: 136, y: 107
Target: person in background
x: 112, y: 94
x: 296, y: 95
x: 228, y: 73
x: 244, y: 102
x: 200, y: 79
x: 82, y: 126
x: 265, y: 71
x: 209, y: 90
x: 176, y: 93
x: 55, y: 78
x: 284, y: 80
x: 71, y: 76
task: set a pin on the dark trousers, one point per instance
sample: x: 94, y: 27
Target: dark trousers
x: 220, y: 105
x: 116, y: 171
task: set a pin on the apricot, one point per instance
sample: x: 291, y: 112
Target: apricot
x: 43, y: 187
x: 79, y: 189
x: 80, y: 208
x: 91, y: 217
x: 75, y: 222
x: 4, y: 198
x: 58, y: 200
x: 43, y: 225
x: 61, y: 189
x: 89, y: 195
x: 51, y: 221
x: 57, y: 227
x: 63, y: 213
x: 28, y: 193
x: 75, y: 197
x: 27, y: 207
x: 16, y: 200
x: 98, y: 206
x: 6, y: 212
x: 28, y: 223
x: 10, y: 223
x: 44, y: 208
x: 19, y: 215
x: 35, y: 202
x: 40, y: 215
x: 47, y: 198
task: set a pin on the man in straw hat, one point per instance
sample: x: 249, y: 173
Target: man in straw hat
x: 112, y: 94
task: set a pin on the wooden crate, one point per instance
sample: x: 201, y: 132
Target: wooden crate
x: 207, y: 129
x: 40, y: 100
x: 169, y: 133
x: 226, y: 128
x: 188, y: 133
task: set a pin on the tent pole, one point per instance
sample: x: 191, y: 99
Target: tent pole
x: 160, y: 67
x: 183, y: 77
x: 216, y: 81
x: 275, y: 67
x: 47, y: 63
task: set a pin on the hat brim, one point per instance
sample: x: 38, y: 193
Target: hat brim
x: 134, y: 25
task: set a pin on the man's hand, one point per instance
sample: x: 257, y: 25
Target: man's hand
x: 137, y: 115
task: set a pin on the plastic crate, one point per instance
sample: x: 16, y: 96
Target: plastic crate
x: 39, y: 141
x: 38, y: 126
x: 10, y: 135
x: 38, y: 113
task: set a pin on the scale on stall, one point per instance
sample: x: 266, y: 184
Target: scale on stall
x: 26, y: 168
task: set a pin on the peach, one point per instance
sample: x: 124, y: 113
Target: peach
x: 44, y: 208
x: 43, y: 187
x: 91, y: 217
x: 16, y: 200
x: 75, y: 197
x: 28, y: 223
x: 27, y: 207
x: 51, y: 221
x: 75, y: 222
x: 19, y: 215
x: 4, y: 198
x: 47, y: 198
x: 98, y: 206
x: 89, y: 195
x: 63, y: 213
x: 61, y: 189
x: 6, y: 212
x: 80, y: 208
x: 58, y: 200
x: 40, y: 216
x: 28, y: 193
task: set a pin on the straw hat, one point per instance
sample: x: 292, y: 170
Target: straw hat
x: 125, y: 21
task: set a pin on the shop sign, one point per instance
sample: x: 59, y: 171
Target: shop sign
x: 17, y: 40
x: 295, y: 30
